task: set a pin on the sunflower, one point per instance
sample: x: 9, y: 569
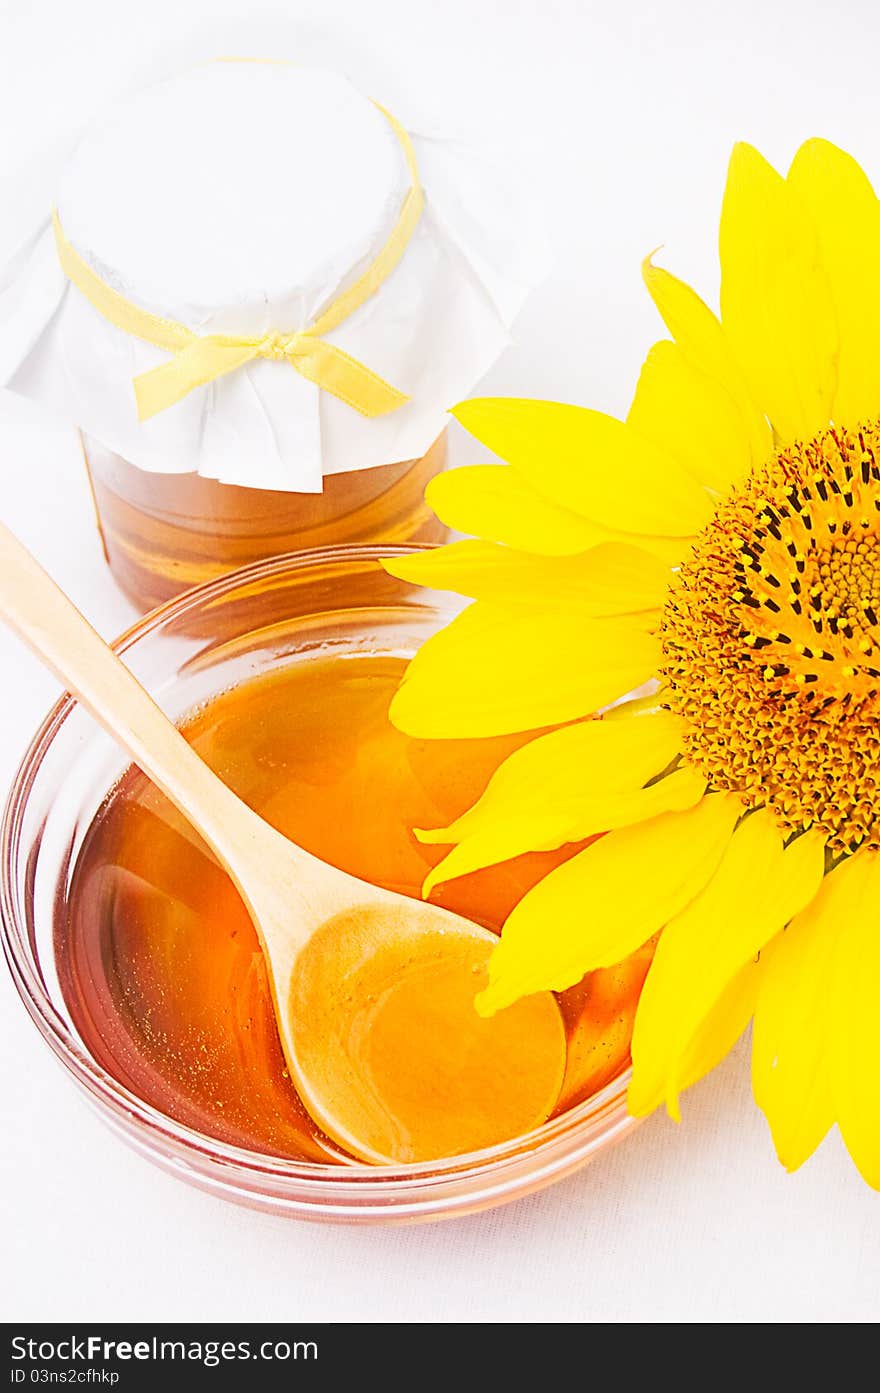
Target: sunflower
x: 718, y: 550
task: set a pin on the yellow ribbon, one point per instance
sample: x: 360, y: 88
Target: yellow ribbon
x: 199, y: 359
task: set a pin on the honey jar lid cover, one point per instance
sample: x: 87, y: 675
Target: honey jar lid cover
x: 255, y: 272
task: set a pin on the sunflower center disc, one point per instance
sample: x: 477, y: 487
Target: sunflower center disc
x: 771, y: 639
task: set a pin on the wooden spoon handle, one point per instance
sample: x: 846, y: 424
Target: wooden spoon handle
x: 41, y: 614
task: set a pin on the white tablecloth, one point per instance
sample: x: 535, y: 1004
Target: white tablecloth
x: 627, y: 113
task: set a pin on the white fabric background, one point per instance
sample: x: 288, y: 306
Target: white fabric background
x: 628, y: 112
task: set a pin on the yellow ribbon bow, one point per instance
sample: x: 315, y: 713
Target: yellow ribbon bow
x: 199, y: 359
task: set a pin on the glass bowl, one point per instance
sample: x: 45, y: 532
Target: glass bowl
x: 201, y: 643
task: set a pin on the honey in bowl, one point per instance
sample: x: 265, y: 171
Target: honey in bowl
x: 157, y: 957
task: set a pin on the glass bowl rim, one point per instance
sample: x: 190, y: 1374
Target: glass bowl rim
x: 563, y: 1143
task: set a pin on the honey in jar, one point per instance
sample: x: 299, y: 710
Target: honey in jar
x: 159, y: 962
x: 164, y: 532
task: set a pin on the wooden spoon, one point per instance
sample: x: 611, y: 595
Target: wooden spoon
x: 373, y: 992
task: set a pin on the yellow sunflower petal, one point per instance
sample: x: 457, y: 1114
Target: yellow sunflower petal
x: 591, y: 463
x: 545, y: 828
x: 495, y: 502
x: 790, y: 1075
x: 593, y: 757
x: 692, y: 417
x: 854, y: 1039
x: 718, y: 1032
x: 699, y: 336
x: 607, y: 901
x: 756, y: 889
x: 492, y: 500
x: 776, y: 306
x: 609, y: 579
x: 846, y: 215
x: 496, y: 670
x: 554, y: 790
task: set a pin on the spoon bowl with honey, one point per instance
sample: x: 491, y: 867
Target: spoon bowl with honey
x: 372, y: 991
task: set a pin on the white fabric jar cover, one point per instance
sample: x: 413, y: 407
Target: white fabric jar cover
x: 241, y: 198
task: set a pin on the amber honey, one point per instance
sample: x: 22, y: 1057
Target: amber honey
x: 158, y: 961
x: 162, y: 533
